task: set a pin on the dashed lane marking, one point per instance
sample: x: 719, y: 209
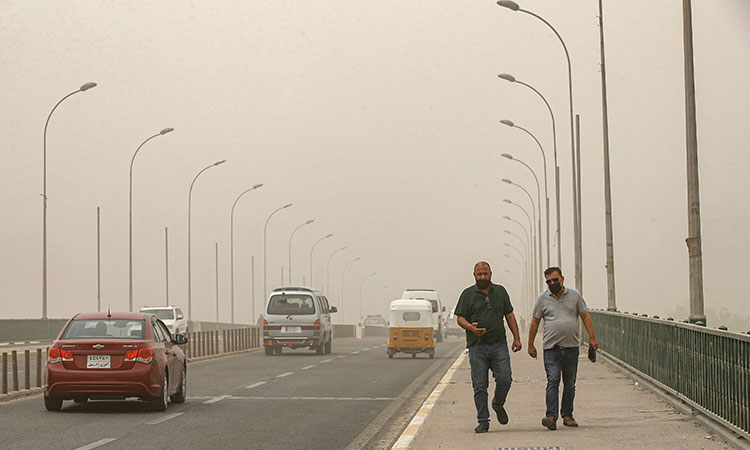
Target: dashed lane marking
x: 355, y: 352
x: 404, y: 441
x: 341, y: 356
x: 98, y: 443
x: 326, y: 360
x: 308, y: 367
x: 165, y: 418
x: 285, y: 374
x: 365, y: 349
x: 217, y: 399
x: 255, y: 385
x: 357, y: 399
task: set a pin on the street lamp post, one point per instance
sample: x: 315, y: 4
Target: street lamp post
x: 533, y: 239
x: 544, y: 165
x: 231, y: 242
x: 290, y: 247
x: 505, y: 180
x: 265, y: 259
x: 526, y: 297
x: 190, y: 207
x: 311, y: 255
x: 538, y: 195
x: 527, y: 272
x: 130, y: 218
x: 575, y: 159
x: 328, y: 270
x: 341, y: 301
x: 512, y: 79
x: 83, y: 88
x: 360, y: 291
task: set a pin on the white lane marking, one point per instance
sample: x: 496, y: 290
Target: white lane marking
x: 285, y: 374
x: 341, y: 356
x: 164, y: 419
x: 255, y: 385
x: 98, y: 443
x: 326, y: 360
x: 365, y: 349
x: 354, y: 353
x: 404, y: 441
x: 316, y: 398
x: 217, y: 399
x: 308, y: 367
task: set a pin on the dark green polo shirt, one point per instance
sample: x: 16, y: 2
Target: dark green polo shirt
x: 473, y: 307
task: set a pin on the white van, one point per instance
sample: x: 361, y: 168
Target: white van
x: 439, y: 317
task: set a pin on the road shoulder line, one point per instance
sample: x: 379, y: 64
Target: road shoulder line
x: 404, y: 441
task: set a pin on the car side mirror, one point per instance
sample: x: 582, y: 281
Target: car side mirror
x: 332, y: 309
x: 180, y: 316
x: 180, y: 339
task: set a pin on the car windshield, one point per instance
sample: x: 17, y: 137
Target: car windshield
x: 104, y: 328
x: 291, y: 304
x: 162, y: 313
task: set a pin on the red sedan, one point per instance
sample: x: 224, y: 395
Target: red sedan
x: 116, y: 356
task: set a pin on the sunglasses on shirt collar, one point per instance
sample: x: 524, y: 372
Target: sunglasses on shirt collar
x: 487, y: 302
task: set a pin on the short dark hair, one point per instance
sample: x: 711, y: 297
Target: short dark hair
x: 551, y: 270
x: 482, y: 263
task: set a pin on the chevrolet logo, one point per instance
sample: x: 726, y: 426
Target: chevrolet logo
x: 98, y: 346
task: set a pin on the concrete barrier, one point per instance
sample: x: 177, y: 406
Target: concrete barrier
x: 344, y: 331
x: 371, y: 331
x: 24, y: 330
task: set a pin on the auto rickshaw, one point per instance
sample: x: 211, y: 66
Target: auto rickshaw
x: 411, y: 328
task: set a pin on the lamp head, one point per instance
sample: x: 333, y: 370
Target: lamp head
x: 506, y: 232
x: 329, y: 235
x: 506, y: 155
x: 220, y: 162
x: 505, y: 180
x: 309, y: 221
x: 507, y: 201
x: 87, y: 86
x: 507, y: 122
x: 258, y: 185
x: 286, y: 206
x: 166, y: 130
x: 506, y: 218
x: 507, y: 77
x: 513, y: 6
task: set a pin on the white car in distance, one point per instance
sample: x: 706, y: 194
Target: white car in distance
x: 172, y: 317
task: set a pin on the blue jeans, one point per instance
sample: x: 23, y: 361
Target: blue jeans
x: 485, y: 357
x: 557, y: 362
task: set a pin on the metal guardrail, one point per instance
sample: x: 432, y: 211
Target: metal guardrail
x: 707, y: 368
x: 200, y: 344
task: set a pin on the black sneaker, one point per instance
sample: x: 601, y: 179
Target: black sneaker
x: 502, y: 416
x: 483, y: 427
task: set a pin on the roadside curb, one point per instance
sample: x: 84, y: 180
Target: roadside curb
x: 14, y: 395
x: 404, y: 441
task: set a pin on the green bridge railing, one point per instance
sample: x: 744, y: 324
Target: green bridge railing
x: 707, y: 368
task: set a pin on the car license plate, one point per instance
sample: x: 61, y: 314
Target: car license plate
x: 291, y: 329
x: 98, y: 362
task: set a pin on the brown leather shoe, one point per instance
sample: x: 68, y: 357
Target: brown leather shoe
x: 550, y: 422
x: 569, y: 421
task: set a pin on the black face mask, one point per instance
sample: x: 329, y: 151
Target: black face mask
x: 555, y: 288
x: 483, y: 284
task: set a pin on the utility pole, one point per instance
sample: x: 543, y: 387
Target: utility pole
x: 610, y: 266
x: 695, y: 253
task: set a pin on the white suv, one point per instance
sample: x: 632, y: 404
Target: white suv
x: 439, y: 317
x: 172, y: 317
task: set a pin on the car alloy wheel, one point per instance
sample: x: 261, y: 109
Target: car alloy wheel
x: 179, y: 396
x: 161, y: 403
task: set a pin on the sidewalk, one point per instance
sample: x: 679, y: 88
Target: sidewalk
x: 612, y: 411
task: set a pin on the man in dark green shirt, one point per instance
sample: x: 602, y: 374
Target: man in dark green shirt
x: 480, y: 311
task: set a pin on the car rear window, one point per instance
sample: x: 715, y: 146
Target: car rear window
x: 104, y: 328
x: 291, y: 304
x: 162, y: 313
